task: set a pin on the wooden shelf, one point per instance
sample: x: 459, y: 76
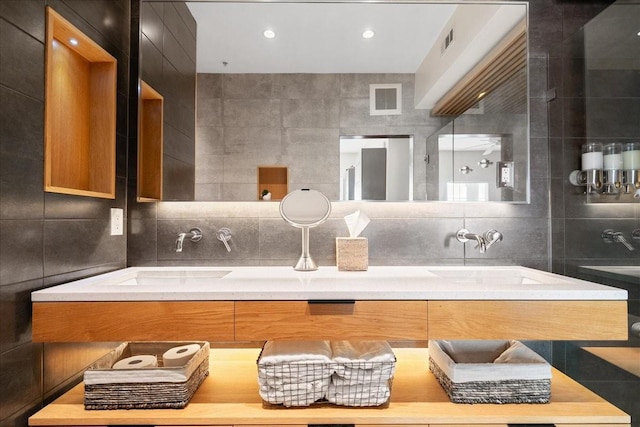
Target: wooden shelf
x: 275, y: 179
x: 229, y: 396
x: 80, y: 113
x: 150, y: 139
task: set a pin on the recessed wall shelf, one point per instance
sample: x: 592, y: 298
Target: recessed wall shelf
x: 150, y: 137
x: 275, y: 179
x: 80, y: 113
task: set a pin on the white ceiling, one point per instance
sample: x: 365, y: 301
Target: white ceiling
x: 315, y: 37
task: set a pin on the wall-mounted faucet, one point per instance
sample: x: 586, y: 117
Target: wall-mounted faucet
x: 484, y: 242
x: 610, y: 236
x: 195, y: 235
x: 224, y: 235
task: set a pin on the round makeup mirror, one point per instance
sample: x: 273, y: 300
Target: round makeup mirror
x: 305, y: 209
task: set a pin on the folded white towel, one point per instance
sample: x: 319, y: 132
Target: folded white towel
x: 345, y: 376
x: 358, y: 396
x: 303, y: 394
x: 293, y: 373
x: 295, y: 351
x: 362, y: 351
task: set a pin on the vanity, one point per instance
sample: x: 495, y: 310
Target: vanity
x: 242, y: 306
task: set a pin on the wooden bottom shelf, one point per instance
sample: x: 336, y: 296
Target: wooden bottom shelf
x: 229, y: 396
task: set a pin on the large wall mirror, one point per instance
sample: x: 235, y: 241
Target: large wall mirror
x: 267, y: 95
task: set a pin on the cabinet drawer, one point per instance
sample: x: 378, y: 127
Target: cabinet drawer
x: 528, y: 320
x: 132, y: 321
x: 386, y: 320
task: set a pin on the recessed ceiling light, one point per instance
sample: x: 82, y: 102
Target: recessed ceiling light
x: 481, y: 94
x: 367, y: 34
x: 73, y: 42
x: 638, y: 34
x: 269, y: 34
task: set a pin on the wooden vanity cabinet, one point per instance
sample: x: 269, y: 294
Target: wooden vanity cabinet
x: 229, y: 396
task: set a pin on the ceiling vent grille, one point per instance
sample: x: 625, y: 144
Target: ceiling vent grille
x: 446, y: 42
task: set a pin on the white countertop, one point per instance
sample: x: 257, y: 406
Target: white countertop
x: 327, y: 283
x: 626, y: 273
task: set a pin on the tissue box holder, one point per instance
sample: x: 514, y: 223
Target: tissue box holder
x: 490, y: 382
x: 352, y: 253
x: 144, y: 388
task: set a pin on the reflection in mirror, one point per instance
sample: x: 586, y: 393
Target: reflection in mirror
x: 376, y: 167
x: 483, y: 155
x: 473, y: 160
x: 286, y: 101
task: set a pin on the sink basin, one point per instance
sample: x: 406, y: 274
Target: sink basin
x: 489, y: 276
x: 626, y: 273
x: 176, y: 277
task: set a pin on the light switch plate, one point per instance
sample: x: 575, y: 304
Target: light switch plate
x: 117, y: 222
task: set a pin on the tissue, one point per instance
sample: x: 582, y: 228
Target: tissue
x: 352, y: 253
x: 356, y: 222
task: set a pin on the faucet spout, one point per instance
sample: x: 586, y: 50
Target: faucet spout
x: 463, y: 235
x: 179, y: 241
x: 610, y: 236
x: 195, y: 234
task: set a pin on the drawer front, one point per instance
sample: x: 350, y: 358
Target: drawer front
x: 386, y: 320
x: 533, y: 320
x: 132, y: 321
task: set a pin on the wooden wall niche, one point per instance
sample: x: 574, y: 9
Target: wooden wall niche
x: 275, y: 179
x: 150, y: 134
x: 80, y: 113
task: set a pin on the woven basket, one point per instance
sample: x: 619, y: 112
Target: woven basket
x: 526, y: 381
x: 145, y: 388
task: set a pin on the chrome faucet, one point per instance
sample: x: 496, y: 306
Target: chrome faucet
x: 484, y: 242
x: 195, y: 235
x: 610, y: 236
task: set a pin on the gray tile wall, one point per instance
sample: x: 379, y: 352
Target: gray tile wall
x: 600, y: 105
x: 168, y: 64
x: 46, y: 238
x: 590, y: 106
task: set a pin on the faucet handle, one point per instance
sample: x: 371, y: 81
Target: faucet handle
x: 224, y: 235
x: 196, y: 234
x: 492, y: 236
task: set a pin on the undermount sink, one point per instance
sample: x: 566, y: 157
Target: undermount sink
x: 177, y: 277
x: 485, y: 276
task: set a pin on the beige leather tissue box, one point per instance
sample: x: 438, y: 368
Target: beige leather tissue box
x: 352, y: 254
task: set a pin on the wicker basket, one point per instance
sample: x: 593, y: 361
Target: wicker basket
x: 467, y: 372
x: 144, y: 388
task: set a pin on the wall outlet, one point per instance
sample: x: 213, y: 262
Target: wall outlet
x: 504, y: 174
x: 117, y: 222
